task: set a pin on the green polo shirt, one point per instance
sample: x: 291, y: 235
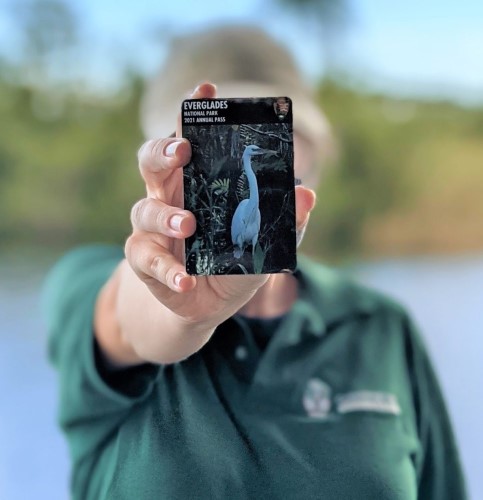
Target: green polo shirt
x: 337, y: 400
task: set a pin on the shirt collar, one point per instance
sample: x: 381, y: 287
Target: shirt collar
x: 327, y: 297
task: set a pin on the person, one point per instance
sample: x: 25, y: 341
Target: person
x: 293, y: 386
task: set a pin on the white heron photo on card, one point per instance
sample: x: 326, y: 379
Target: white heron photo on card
x: 240, y: 185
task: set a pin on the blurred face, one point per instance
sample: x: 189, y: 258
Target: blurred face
x: 305, y: 169
x: 305, y: 161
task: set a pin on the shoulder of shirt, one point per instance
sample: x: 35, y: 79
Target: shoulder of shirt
x: 91, y: 253
x: 76, y: 264
x: 337, y: 296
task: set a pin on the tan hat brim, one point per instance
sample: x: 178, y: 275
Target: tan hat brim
x: 158, y: 119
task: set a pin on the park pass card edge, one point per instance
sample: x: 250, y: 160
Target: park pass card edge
x: 240, y: 185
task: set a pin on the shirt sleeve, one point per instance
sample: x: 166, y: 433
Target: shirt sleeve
x: 93, y: 402
x: 440, y: 475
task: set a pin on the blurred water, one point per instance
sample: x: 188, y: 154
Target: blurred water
x: 444, y: 295
x: 33, y: 454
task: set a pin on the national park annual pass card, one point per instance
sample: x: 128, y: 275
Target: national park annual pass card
x: 240, y: 185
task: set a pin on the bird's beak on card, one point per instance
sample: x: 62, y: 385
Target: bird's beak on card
x: 266, y: 151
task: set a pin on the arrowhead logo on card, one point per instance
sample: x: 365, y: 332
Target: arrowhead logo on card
x: 281, y: 107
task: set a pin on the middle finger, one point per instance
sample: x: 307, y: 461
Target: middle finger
x: 155, y: 216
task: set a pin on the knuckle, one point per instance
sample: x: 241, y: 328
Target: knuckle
x: 150, y: 154
x: 141, y: 152
x: 137, y: 212
x: 156, y: 265
x: 150, y: 215
x: 156, y: 148
x: 170, y: 273
x: 129, y: 247
x: 162, y: 217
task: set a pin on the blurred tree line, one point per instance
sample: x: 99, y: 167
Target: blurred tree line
x: 408, y: 176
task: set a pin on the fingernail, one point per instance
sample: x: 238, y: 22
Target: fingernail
x: 175, y: 222
x: 177, y: 279
x: 171, y: 148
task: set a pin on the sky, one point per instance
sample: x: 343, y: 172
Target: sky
x: 426, y: 48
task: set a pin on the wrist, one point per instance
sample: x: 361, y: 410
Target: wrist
x: 116, y: 350
x: 151, y: 330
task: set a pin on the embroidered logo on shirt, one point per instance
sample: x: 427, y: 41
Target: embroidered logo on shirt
x: 317, y: 398
x: 381, y: 402
x: 317, y: 401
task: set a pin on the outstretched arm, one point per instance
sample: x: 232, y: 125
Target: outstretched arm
x: 151, y: 309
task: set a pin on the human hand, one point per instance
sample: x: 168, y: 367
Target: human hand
x: 156, y: 247
x: 176, y: 303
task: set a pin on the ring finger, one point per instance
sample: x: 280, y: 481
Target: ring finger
x: 151, y: 261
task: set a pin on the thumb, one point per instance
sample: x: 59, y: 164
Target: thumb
x: 204, y: 90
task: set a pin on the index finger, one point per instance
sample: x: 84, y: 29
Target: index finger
x: 159, y: 157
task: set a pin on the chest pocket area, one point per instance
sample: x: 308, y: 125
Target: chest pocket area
x: 367, y: 420
x: 374, y: 420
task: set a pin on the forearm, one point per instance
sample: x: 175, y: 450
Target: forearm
x: 132, y: 326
